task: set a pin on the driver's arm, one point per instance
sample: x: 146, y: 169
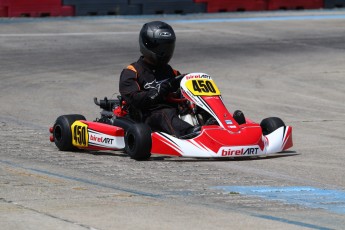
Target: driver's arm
x: 132, y: 93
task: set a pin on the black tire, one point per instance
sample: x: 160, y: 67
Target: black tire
x: 138, y: 141
x: 270, y: 124
x: 62, y: 131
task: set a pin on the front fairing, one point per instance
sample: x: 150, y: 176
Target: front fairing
x: 228, y: 139
x: 215, y: 141
x: 202, y: 91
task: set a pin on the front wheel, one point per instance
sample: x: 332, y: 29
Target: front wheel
x: 62, y: 132
x: 138, y: 141
x: 270, y: 124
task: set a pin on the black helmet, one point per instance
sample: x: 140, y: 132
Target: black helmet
x: 157, y: 42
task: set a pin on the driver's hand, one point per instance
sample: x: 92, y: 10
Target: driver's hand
x: 175, y: 82
x: 164, y: 88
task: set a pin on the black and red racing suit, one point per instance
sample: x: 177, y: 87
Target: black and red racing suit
x: 138, y: 86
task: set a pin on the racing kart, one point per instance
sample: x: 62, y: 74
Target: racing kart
x: 222, y: 134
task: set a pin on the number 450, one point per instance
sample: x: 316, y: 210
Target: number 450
x: 203, y: 86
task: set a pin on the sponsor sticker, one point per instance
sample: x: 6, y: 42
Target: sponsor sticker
x: 101, y: 139
x: 239, y: 151
x: 197, y: 76
x: 202, y: 87
x: 80, y: 136
x: 165, y: 34
x: 228, y: 122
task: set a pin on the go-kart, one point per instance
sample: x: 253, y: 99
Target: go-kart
x: 222, y: 134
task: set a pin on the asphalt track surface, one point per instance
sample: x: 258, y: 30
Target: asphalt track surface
x: 285, y: 64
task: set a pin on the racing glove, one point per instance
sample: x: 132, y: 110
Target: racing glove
x: 161, y: 91
x: 164, y: 88
x: 175, y: 82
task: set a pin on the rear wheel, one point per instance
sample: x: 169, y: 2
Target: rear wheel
x: 62, y: 132
x: 138, y: 141
x: 270, y: 124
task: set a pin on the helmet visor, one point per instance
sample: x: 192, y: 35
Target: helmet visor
x: 164, y: 50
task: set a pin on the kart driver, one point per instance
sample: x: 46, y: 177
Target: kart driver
x: 140, y: 83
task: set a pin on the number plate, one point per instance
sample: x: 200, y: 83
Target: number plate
x: 202, y: 87
x: 80, y: 135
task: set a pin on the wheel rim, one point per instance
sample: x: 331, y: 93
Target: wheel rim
x: 131, y: 142
x: 58, y: 133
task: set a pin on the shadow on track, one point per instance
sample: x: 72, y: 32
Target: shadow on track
x: 157, y: 157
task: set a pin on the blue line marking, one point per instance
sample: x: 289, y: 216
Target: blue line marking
x: 82, y: 180
x: 226, y: 188
x: 327, y: 199
x: 86, y: 181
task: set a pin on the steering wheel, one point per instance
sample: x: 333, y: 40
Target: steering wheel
x: 173, y: 97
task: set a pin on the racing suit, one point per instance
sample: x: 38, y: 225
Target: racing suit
x: 139, y: 87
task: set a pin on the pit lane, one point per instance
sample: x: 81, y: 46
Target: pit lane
x: 291, y: 68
